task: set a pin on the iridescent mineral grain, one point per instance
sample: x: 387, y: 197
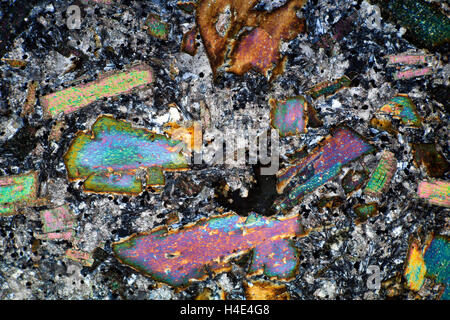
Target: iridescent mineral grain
x: 265, y: 290
x: 437, y: 261
x: 426, y: 155
x: 401, y: 107
x: 412, y: 73
x: 435, y: 192
x: 426, y: 26
x: 289, y: 116
x: 179, y: 256
x: 381, y: 177
x: 354, y: 180
x: 156, y: 27
x: 109, y: 157
x: 58, y: 224
x: 57, y: 219
x: 365, y: 211
x: 322, y: 164
x: 328, y: 88
x: 432, y: 261
x: 17, y: 192
x: 415, y: 270
x: 85, y: 258
x: 15, y: 63
x: 189, y: 43
x: 74, y: 98
x: 247, y: 38
x: 406, y: 58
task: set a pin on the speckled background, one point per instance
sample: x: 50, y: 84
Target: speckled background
x: 333, y: 262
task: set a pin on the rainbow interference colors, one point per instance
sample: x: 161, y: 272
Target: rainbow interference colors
x: 289, y: 116
x: 365, y: 211
x: 109, y: 157
x: 402, y: 107
x: 17, y: 192
x: 412, y: 73
x: 328, y: 88
x: 85, y: 258
x: 57, y: 224
x: 408, y: 59
x: 426, y: 25
x: 322, y: 164
x: 74, y: 98
x: 381, y: 177
x: 189, y: 43
x: 178, y: 256
x: 435, y: 192
x: 415, y: 270
x: 156, y: 28
x: 432, y: 261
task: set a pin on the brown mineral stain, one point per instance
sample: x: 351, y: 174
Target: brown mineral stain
x: 248, y: 39
x: 426, y: 155
x: 28, y: 107
x: 57, y: 131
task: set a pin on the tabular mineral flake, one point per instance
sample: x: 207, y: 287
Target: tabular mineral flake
x: 178, y: 256
x: 381, y: 177
x: 402, y: 107
x: 18, y: 191
x: 432, y: 261
x: 322, y: 164
x: 435, y: 192
x: 290, y: 116
x: 328, y: 88
x: 412, y: 73
x: 85, y: 258
x: 58, y: 224
x: 415, y: 270
x: 109, y: 157
x: 74, y: 98
x: 408, y: 59
x: 56, y: 219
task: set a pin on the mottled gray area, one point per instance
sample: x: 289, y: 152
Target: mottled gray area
x: 333, y: 260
